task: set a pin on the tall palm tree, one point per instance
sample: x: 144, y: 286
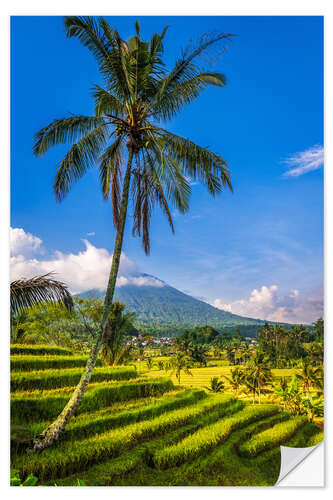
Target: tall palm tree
x: 178, y: 363
x: 236, y: 380
x: 310, y: 376
x: 29, y: 292
x: 259, y: 373
x: 315, y: 351
x: 138, y: 160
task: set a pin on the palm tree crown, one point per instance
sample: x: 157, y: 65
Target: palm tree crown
x: 137, y: 96
x: 28, y: 292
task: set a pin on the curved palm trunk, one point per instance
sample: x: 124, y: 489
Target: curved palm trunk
x: 53, y: 431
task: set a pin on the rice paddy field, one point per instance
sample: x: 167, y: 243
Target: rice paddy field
x: 140, y: 428
x: 201, y: 376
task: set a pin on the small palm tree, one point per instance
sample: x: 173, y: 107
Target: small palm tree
x: 230, y: 354
x: 114, y: 349
x: 294, y: 397
x: 309, y: 376
x: 150, y: 363
x: 259, y: 373
x: 29, y: 292
x: 139, y: 161
x: 178, y: 363
x: 316, y: 353
x: 216, y: 385
x: 199, y: 354
x: 281, y: 391
x: 314, y: 407
x: 236, y: 380
x: 160, y: 365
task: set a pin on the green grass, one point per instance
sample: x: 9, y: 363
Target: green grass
x: 225, y: 467
x: 25, y: 363
x: 209, y: 437
x: 308, y: 435
x: 272, y: 437
x: 38, y: 350
x: 25, y: 408
x: 106, y: 473
x: 201, y: 376
x: 106, y: 419
x: 74, y: 456
x: 52, y: 379
x: 146, y: 431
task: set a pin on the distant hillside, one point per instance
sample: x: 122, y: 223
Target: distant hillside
x: 162, y: 309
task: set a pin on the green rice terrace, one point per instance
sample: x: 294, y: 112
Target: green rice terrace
x: 143, y: 431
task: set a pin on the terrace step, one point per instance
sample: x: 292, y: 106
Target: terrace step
x: 99, y: 422
x: 24, y: 363
x: 54, y: 379
x: 46, y: 405
x: 70, y: 457
x: 210, y: 436
x: 38, y: 350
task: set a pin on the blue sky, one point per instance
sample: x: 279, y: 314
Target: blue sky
x: 258, y: 251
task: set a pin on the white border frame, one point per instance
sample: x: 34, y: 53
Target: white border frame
x: 146, y: 7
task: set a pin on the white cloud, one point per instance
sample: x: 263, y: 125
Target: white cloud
x: 139, y: 281
x: 91, y: 234
x: 267, y: 304
x: 82, y: 271
x: 305, y: 161
x: 22, y: 243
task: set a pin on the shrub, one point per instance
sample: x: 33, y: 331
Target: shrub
x: 15, y: 479
x: 47, y: 406
x: 52, y: 379
x: 22, y: 363
x: 38, y: 350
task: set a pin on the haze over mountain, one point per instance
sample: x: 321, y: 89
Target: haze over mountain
x: 161, y: 308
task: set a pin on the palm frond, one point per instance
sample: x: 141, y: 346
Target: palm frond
x: 29, y: 292
x: 78, y: 160
x: 64, y: 130
x: 184, y: 93
x: 88, y: 31
x: 197, y: 162
x: 184, y: 67
x: 170, y: 176
x: 109, y: 161
x: 106, y: 103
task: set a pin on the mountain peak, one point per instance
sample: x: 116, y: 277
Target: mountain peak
x: 162, y: 307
